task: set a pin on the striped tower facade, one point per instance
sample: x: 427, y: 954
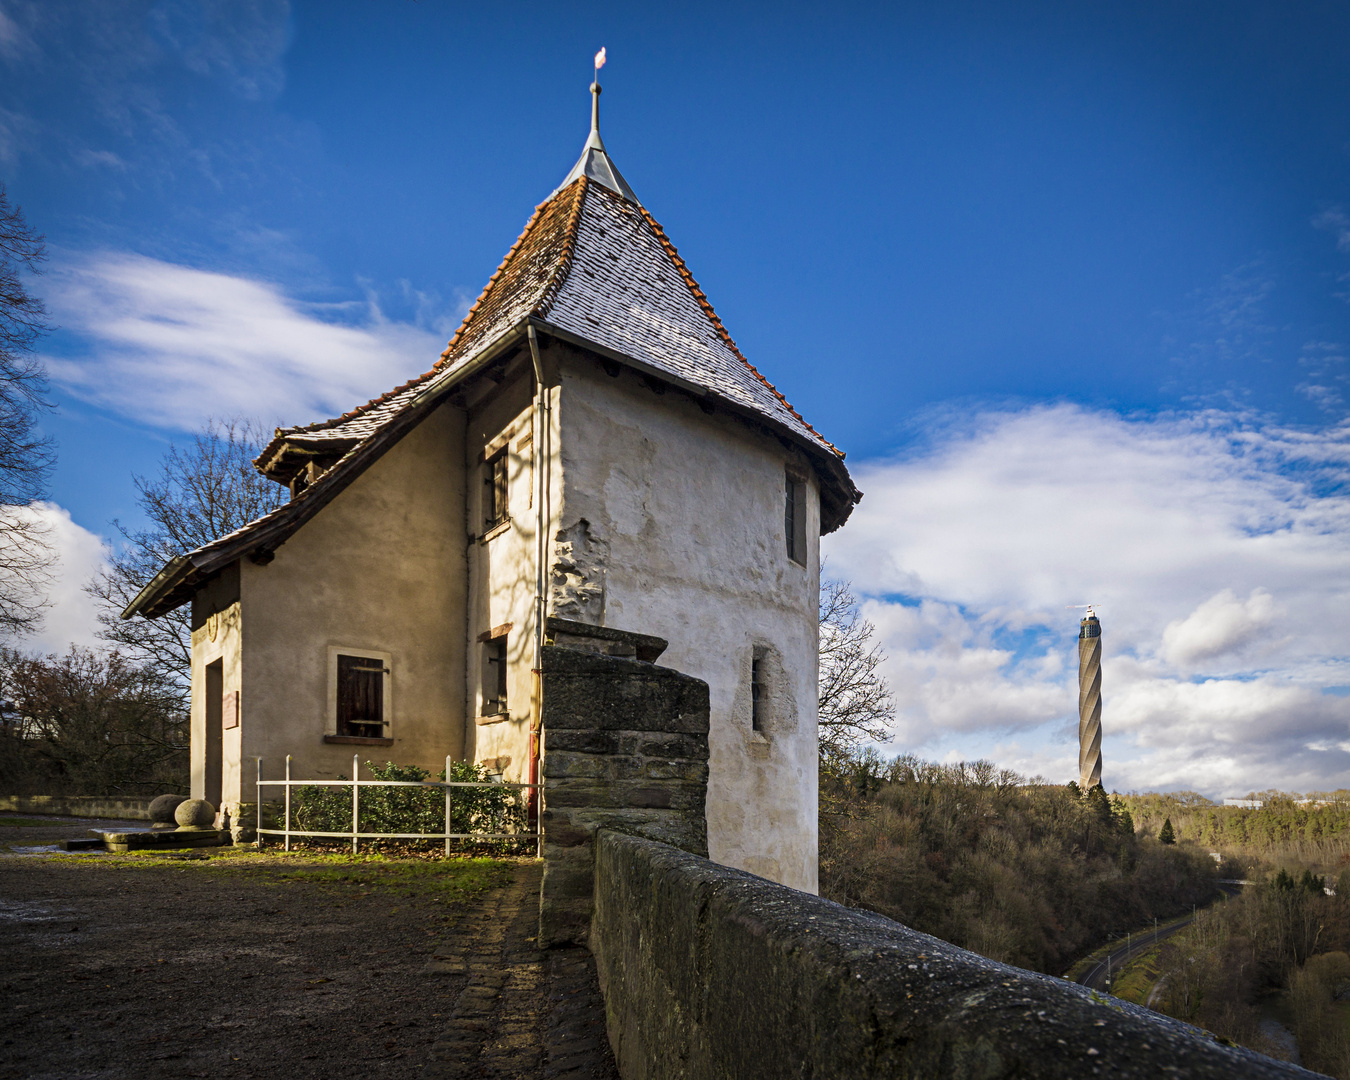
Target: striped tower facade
x: 1089, y: 702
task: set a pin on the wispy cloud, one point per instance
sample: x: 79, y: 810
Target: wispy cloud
x: 15, y: 40
x: 111, y: 62
x: 1218, y: 548
x: 91, y: 159
x: 243, y: 43
x: 169, y: 345
x: 1337, y: 222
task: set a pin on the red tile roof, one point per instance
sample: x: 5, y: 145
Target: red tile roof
x: 600, y: 267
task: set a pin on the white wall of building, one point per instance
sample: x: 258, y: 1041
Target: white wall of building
x: 670, y: 522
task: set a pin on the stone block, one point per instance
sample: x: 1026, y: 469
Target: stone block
x: 673, y: 744
x: 195, y: 813
x: 162, y: 808
x: 605, y: 693
x: 561, y: 832
x: 665, y: 769
x: 586, y: 742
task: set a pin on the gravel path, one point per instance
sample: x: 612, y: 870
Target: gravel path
x: 236, y: 964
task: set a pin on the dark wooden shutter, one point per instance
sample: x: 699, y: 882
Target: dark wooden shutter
x: 360, y: 697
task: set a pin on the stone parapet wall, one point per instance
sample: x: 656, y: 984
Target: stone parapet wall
x: 712, y: 972
x: 624, y: 746
x: 113, y: 807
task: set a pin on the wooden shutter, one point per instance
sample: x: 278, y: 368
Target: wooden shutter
x: 360, y: 696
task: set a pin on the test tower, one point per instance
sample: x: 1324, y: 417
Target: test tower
x: 1089, y: 701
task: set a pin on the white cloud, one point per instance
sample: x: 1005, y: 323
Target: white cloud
x: 1217, y: 550
x: 169, y: 345
x: 15, y: 41
x: 72, y: 615
x: 1220, y: 625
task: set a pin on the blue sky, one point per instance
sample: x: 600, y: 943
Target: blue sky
x: 1109, y: 243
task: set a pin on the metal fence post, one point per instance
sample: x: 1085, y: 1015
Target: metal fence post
x: 447, y: 805
x: 288, y: 802
x: 257, y: 825
x: 356, y: 799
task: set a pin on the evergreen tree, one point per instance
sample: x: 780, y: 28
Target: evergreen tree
x: 1099, y: 804
x: 1121, y: 814
x: 1166, y: 835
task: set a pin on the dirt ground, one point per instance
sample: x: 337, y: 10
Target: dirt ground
x: 230, y: 963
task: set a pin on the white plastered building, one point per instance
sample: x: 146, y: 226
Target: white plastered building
x: 591, y: 446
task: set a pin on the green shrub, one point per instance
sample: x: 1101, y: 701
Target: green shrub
x: 493, y: 809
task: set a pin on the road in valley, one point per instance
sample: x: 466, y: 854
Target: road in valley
x: 1137, y: 945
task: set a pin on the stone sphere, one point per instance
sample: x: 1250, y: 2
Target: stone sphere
x: 195, y: 813
x: 162, y: 808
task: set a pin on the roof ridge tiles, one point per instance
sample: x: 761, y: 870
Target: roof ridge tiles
x: 564, y: 268
x: 574, y: 214
x: 569, y: 233
x: 713, y: 317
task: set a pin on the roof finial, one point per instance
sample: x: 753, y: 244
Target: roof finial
x: 594, y: 162
x: 595, y: 95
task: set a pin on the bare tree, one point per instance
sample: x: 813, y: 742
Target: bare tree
x: 92, y: 723
x: 855, y: 700
x: 25, y: 454
x: 203, y: 491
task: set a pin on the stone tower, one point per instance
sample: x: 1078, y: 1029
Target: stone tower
x: 1089, y: 702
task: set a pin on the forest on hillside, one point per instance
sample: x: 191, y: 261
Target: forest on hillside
x: 1039, y: 875
x: 1018, y: 870
x: 1290, y: 831
x: 1278, y: 949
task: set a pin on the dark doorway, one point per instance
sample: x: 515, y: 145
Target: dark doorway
x: 215, y: 693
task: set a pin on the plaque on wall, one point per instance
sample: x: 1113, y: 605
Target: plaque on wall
x: 229, y: 709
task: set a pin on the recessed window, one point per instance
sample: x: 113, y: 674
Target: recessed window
x: 494, y: 676
x: 758, y: 695
x: 496, y: 490
x: 794, y: 517
x: 360, y: 697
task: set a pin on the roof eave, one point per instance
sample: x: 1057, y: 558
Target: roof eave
x: 268, y: 537
x: 171, y: 575
x: 828, y: 460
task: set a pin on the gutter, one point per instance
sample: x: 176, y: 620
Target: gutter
x: 543, y: 474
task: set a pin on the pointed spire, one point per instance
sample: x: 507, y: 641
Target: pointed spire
x: 594, y: 162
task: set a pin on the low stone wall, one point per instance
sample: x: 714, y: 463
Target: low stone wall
x: 711, y: 972
x: 625, y: 745
x: 115, y: 807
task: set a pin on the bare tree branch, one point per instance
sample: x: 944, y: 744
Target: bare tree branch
x: 855, y: 700
x: 25, y: 454
x: 202, y: 492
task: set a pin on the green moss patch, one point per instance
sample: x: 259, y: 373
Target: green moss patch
x: 353, y: 876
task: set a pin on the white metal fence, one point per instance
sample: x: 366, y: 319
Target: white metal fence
x: 356, y: 784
